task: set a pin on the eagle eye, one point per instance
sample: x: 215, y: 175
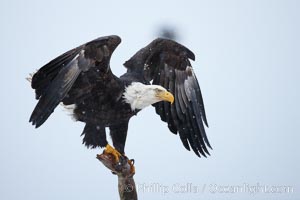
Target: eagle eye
x: 158, y: 90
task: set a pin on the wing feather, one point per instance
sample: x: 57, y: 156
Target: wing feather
x: 59, y: 87
x: 42, y: 79
x: 167, y: 63
x: 71, y: 76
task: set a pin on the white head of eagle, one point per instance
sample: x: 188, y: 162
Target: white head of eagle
x: 139, y: 95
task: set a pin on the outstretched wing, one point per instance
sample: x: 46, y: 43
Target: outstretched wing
x: 71, y: 76
x: 166, y: 63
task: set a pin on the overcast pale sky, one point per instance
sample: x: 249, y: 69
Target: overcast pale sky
x: 247, y: 63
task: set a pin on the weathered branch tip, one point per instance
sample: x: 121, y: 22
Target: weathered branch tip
x: 123, y: 169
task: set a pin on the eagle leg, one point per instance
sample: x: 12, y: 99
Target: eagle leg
x: 110, y: 150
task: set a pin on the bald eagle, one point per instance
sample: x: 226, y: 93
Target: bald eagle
x: 159, y: 74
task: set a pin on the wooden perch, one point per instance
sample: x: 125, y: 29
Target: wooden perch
x: 123, y: 169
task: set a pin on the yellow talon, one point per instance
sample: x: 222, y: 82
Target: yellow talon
x: 132, y: 168
x: 110, y: 150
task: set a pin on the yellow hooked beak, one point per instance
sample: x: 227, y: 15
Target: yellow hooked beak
x: 166, y: 96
